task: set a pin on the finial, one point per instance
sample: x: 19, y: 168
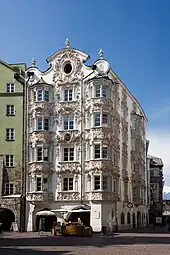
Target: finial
x: 67, y: 43
x: 101, y: 53
x: 33, y: 62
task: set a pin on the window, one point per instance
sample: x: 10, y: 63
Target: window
x: 101, y: 91
x: 45, y: 154
x: 128, y: 218
x: 9, y: 160
x: 97, y: 119
x: 105, y: 182
x: 10, y: 134
x: 42, y: 124
x: 100, y: 119
x: 104, y: 151
x: 100, y: 151
x: 10, y: 88
x: 68, y: 154
x: 40, y: 95
x: 46, y: 95
x: 97, y: 151
x: 10, y: 110
x: 42, y: 154
x: 97, y: 182
x: 122, y: 216
x: 68, y: 95
x: 104, y: 118
x: 67, y: 184
x: 9, y: 189
x: 46, y: 124
x: 39, y: 184
x: 114, y: 187
x: 68, y: 122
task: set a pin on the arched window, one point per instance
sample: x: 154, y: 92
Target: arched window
x: 122, y: 218
x: 128, y: 218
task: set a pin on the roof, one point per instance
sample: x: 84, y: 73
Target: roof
x: 155, y: 160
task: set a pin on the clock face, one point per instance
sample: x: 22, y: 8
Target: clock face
x: 103, y: 66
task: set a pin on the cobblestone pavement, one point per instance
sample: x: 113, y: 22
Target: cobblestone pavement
x: 119, y: 244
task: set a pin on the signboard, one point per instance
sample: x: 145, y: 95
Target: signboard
x: 158, y: 220
x: 14, y: 226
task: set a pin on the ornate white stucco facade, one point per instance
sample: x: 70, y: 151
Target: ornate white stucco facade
x: 86, y: 141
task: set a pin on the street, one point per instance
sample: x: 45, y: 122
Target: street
x: 119, y: 244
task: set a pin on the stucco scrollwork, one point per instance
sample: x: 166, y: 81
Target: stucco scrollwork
x: 101, y: 196
x: 68, y: 196
x: 40, y: 136
x: 68, y: 168
x: 40, y: 197
x: 75, y: 60
x: 40, y: 167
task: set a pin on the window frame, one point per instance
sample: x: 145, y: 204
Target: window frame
x: 41, y: 183
x: 10, y: 110
x: 69, y: 183
x: 11, y: 88
x: 101, y: 91
x: 100, y: 118
x: 70, y: 154
x: 10, y: 134
x: 42, y: 158
x: 102, y: 147
x: 69, y: 119
x: 68, y: 95
x: 10, y: 160
x: 9, y: 189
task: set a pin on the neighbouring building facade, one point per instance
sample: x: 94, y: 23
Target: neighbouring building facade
x: 86, y: 144
x: 156, y: 187
x: 11, y: 138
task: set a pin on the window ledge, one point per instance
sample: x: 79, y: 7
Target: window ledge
x: 9, y: 166
x: 9, y: 140
x: 63, y: 102
x: 70, y: 162
x: 10, y: 115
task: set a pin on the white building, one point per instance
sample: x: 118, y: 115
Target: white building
x: 86, y: 143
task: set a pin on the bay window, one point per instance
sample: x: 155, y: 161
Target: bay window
x: 101, y: 151
x: 101, y: 118
x: 41, y: 95
x: 42, y: 123
x: 101, y: 182
x: 42, y: 154
x: 101, y: 91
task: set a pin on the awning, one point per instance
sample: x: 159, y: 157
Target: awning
x: 45, y: 213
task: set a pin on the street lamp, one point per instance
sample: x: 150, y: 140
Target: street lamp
x: 24, y: 82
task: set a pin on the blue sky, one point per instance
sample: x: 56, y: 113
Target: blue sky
x: 134, y: 35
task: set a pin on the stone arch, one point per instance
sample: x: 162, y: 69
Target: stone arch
x: 122, y: 218
x: 128, y: 218
x: 7, y: 216
x: 138, y: 219
x: 84, y: 215
x: 134, y: 220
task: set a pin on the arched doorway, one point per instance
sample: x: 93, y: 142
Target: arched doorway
x: 138, y: 219
x: 49, y: 218
x: 82, y: 212
x: 6, y: 217
x: 134, y: 220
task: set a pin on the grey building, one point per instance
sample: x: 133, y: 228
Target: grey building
x: 156, y: 187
